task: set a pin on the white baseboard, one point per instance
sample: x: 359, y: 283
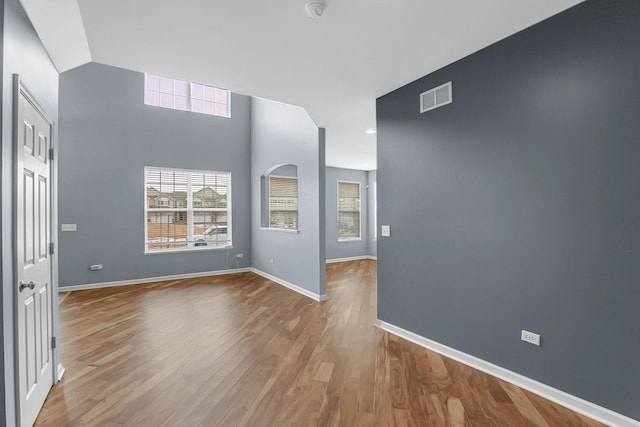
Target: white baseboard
x: 193, y: 275
x: 352, y: 258
x: 151, y: 279
x: 290, y: 285
x: 567, y: 400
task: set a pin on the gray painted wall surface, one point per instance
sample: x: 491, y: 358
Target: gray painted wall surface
x: 520, y: 207
x: 107, y: 137
x: 23, y: 54
x: 373, y: 241
x: 285, y: 134
x: 349, y: 248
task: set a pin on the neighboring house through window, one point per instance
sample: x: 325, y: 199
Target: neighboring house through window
x: 186, y: 209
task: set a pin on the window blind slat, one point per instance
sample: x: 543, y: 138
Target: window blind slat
x: 283, y: 187
x: 348, y: 190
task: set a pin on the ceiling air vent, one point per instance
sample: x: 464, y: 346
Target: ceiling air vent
x: 436, y: 97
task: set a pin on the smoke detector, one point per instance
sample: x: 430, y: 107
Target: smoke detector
x: 315, y: 9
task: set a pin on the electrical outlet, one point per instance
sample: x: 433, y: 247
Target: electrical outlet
x: 271, y: 260
x: 386, y: 231
x: 95, y: 267
x: 239, y: 255
x: 530, y: 337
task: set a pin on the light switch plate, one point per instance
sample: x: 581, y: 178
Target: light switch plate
x: 69, y: 227
x: 386, y: 231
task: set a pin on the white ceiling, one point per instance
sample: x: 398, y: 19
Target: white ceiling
x: 335, y: 66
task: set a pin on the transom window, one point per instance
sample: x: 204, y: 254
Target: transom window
x: 348, y: 211
x: 186, y: 209
x: 182, y: 95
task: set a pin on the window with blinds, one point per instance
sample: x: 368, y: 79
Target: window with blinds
x: 186, y: 209
x: 348, y: 210
x: 283, y: 202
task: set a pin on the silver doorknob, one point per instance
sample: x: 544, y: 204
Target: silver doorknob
x: 30, y: 285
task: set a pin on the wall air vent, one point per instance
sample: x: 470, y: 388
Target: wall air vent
x: 436, y: 97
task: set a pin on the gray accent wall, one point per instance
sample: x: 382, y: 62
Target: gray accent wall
x: 107, y: 136
x: 23, y: 54
x: 519, y: 206
x: 347, y: 248
x: 285, y: 134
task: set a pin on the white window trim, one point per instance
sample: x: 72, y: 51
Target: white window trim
x: 189, y: 248
x: 281, y: 230
x: 349, y: 239
x: 287, y: 230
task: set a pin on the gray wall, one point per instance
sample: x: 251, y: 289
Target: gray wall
x: 285, y: 134
x: 373, y: 241
x: 520, y: 204
x: 23, y: 54
x: 349, y: 248
x: 107, y: 136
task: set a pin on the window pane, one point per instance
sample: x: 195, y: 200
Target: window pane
x: 210, y: 190
x: 166, y: 85
x: 166, y: 100
x: 153, y: 82
x: 180, y: 103
x: 221, y: 96
x: 182, y: 88
x: 348, y: 224
x: 197, y: 106
x: 166, y: 230
x: 166, y: 189
x: 210, y: 229
x: 209, y: 93
x: 221, y: 110
x: 197, y: 91
x: 151, y: 98
x: 209, y: 108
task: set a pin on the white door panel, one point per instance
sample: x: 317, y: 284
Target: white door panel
x: 34, y: 322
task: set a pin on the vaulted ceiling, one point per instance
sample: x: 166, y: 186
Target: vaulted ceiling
x: 334, y: 66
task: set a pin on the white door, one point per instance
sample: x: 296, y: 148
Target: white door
x: 34, y: 314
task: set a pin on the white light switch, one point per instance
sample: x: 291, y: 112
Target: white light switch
x: 386, y: 231
x: 69, y: 227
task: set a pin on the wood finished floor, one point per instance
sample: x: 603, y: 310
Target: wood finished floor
x: 241, y: 350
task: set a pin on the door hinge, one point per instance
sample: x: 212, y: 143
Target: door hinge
x: 51, y: 248
x: 50, y: 153
x: 53, y: 342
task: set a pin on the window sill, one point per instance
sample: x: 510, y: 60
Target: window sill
x: 179, y: 251
x: 352, y: 239
x: 281, y: 230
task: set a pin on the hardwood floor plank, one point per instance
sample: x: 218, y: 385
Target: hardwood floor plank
x: 455, y: 410
x: 524, y: 405
x: 240, y: 350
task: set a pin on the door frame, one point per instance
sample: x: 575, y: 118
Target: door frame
x: 19, y: 88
